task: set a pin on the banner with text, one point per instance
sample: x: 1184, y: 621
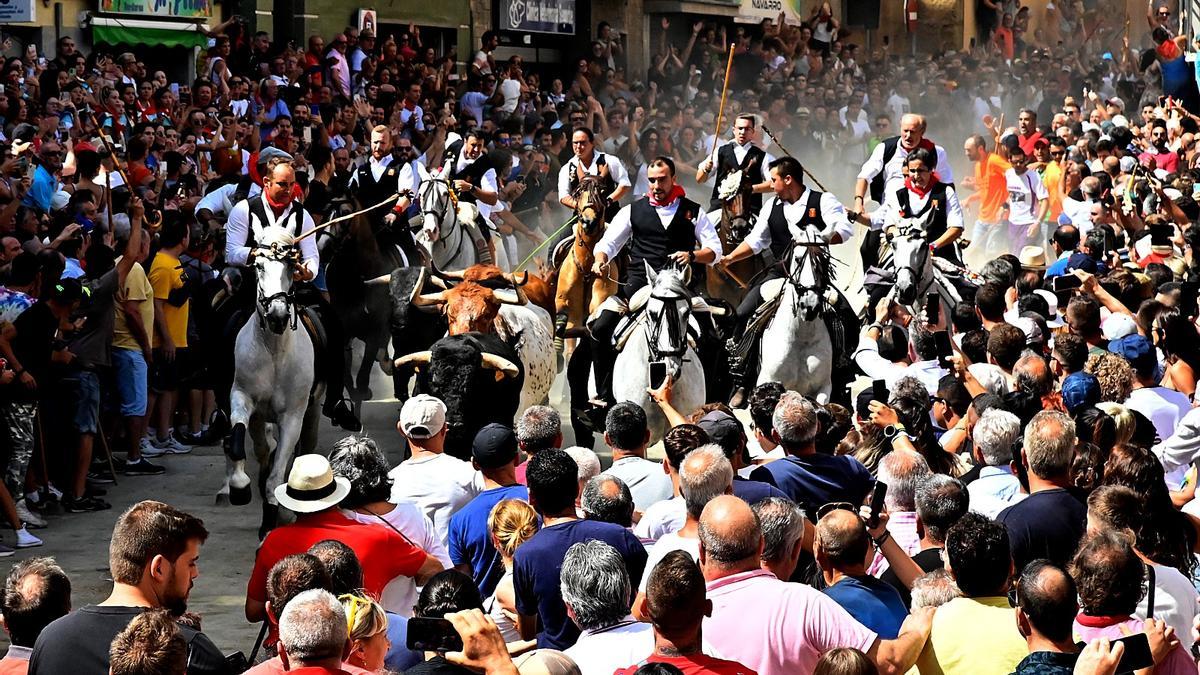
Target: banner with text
x: 538, y: 16
x: 754, y: 11
x: 185, y: 9
x: 14, y: 11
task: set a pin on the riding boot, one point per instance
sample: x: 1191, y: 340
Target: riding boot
x: 743, y: 370
x: 335, y: 407
x: 579, y: 367
x: 604, y: 355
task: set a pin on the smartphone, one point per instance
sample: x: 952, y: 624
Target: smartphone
x: 1187, y: 298
x: 878, y: 493
x: 879, y: 391
x: 1067, y: 282
x: 944, y: 349
x: 432, y: 635
x: 933, y: 307
x: 658, y: 374
x: 1137, y: 653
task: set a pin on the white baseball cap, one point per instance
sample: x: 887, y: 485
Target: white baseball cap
x: 422, y: 416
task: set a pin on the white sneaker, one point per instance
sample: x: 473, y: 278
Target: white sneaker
x: 54, y: 492
x: 149, y: 449
x: 170, y: 446
x: 28, y: 516
x: 26, y: 540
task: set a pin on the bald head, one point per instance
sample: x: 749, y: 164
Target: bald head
x: 704, y: 474
x: 842, y: 541
x: 730, y: 537
x: 1047, y: 597
x: 1033, y: 375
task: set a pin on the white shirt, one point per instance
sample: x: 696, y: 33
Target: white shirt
x: 1164, y: 408
x: 605, y: 651
x: 418, y: 124
x: 621, y: 229
x: 996, y: 489
x: 220, y: 201
x: 669, y: 542
x: 487, y: 183
x: 889, y: 213
x: 237, y: 229
x: 893, y: 173
x: 740, y: 150
x: 1182, y: 448
x: 400, y: 594
x: 511, y: 89
x: 1079, y: 214
x: 1024, y: 193
x: 900, y: 106
x: 1174, y: 600
x: 378, y: 166
x: 616, y: 170
x: 832, y: 212
x: 661, y: 519
x: 439, y: 485
x: 647, y: 481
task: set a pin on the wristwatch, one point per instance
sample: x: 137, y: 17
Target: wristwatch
x: 891, y: 431
x: 691, y: 256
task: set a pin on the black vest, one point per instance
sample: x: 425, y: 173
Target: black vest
x: 258, y: 212
x: 937, y: 202
x: 753, y: 163
x: 781, y: 235
x: 650, y: 242
x: 607, y: 183
x: 369, y: 192
x: 473, y: 173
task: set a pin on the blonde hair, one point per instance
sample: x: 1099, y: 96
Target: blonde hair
x: 1123, y: 420
x: 512, y: 522
x: 365, y: 618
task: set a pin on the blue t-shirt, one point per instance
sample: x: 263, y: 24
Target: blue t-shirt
x: 470, y: 540
x: 399, y: 657
x: 815, y: 480
x: 538, y: 564
x: 752, y: 491
x: 874, y: 603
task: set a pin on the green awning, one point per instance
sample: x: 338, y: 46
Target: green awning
x: 158, y: 37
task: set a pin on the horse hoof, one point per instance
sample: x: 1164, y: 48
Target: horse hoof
x: 222, y: 499
x: 240, y: 496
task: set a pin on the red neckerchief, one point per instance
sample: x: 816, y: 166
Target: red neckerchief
x: 278, y: 207
x: 1100, y: 621
x: 410, y: 107
x: 921, y: 192
x: 675, y: 193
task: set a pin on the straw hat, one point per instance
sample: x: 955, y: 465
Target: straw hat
x: 311, y: 486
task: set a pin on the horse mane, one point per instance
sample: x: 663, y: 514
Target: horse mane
x: 671, y: 279
x: 822, y: 260
x: 275, y: 235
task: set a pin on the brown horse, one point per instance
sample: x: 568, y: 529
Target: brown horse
x: 579, y: 292
x: 736, y: 223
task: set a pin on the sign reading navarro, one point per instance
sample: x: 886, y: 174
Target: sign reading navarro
x: 538, y: 16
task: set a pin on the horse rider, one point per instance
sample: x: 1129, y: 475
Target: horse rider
x: 793, y: 205
x: 277, y: 206
x: 590, y: 161
x: 381, y: 176
x: 884, y: 171
x: 924, y: 196
x: 739, y: 154
x: 663, y: 228
x: 214, y: 208
x: 474, y: 181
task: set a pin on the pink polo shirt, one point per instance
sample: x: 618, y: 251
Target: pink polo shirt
x: 902, y: 525
x: 775, y: 627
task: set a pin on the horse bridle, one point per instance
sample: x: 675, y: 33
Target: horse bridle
x: 443, y: 205
x: 288, y: 296
x: 674, y: 322
x: 923, y: 258
x: 591, y: 186
x: 810, y: 249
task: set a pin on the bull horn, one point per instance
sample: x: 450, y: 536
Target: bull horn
x: 439, y: 282
x: 422, y: 299
x: 414, y: 359
x: 456, y: 276
x: 515, y: 296
x: 511, y: 277
x: 493, y: 362
x: 381, y: 280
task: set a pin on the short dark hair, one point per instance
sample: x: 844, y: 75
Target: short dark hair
x: 448, y: 591
x: 626, y: 426
x: 1071, y: 350
x: 1046, y: 596
x: 152, y: 644
x: 1005, y: 344
x: 1117, y: 507
x: 762, y: 404
x: 941, y: 502
x: 553, y: 481
x: 173, y: 233
x: 974, y: 345
x: 341, y: 563
x: 30, y: 607
x: 608, y: 504
x: 663, y: 160
x: 893, y: 343
x: 1066, y: 236
x: 293, y: 575
x: 1109, y: 575
x: 922, y: 155
x: 359, y: 460
x: 586, y: 131
x: 788, y: 166
x: 147, y: 529
x: 923, y: 341
x: 681, y: 440
x: 989, y: 299
x: 979, y: 555
x: 675, y: 592
x: 1084, y: 314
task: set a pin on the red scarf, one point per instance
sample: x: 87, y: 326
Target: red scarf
x: 278, y: 207
x: 921, y: 192
x: 675, y: 193
x: 410, y: 107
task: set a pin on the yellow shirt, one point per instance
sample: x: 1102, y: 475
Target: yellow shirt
x: 166, y: 275
x: 138, y: 289
x: 973, y: 636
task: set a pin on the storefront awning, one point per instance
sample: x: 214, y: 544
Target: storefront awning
x: 124, y: 32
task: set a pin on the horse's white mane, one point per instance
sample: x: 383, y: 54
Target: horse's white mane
x: 729, y: 187
x: 276, y: 235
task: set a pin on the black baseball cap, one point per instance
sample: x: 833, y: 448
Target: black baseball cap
x: 494, y: 446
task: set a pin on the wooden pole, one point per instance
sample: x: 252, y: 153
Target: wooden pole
x: 721, y: 110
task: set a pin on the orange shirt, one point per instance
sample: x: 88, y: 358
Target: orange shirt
x: 1052, y: 178
x: 992, y: 187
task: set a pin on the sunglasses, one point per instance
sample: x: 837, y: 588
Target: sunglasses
x: 835, y: 506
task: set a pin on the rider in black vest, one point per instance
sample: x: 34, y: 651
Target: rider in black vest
x: 474, y: 179
x: 753, y: 159
x: 686, y: 238
x: 809, y: 210
x: 389, y: 230
x: 276, y: 206
x: 588, y: 160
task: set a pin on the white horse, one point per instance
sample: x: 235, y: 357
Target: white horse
x: 795, y: 348
x: 445, y: 225
x: 914, y: 264
x: 661, y: 334
x: 273, y: 379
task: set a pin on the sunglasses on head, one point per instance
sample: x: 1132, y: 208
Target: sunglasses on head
x: 835, y: 506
